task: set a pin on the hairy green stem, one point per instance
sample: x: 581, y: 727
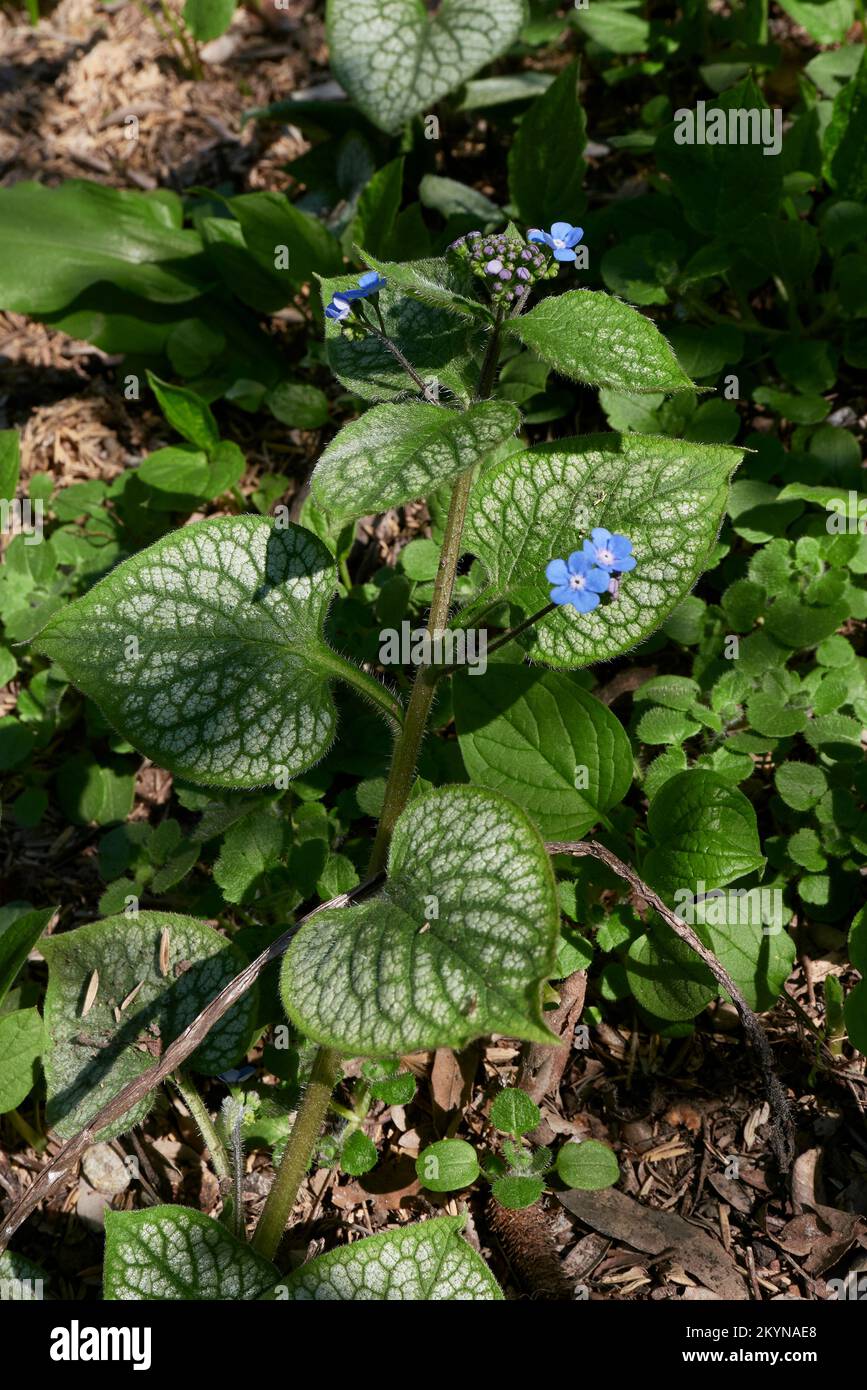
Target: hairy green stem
x: 199, y: 1111
x: 408, y: 744
x: 336, y: 665
x: 238, y: 1171
x: 290, y: 1174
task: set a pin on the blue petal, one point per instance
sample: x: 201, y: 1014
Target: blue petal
x: 598, y: 581
x: 562, y: 253
x: 562, y: 594
x: 536, y: 234
x: 579, y: 563
x: 369, y: 277
x: 561, y: 230
x: 600, y: 536
x: 624, y: 563
x: 574, y: 236
x: 619, y: 550
x: 556, y: 572
x: 585, y: 600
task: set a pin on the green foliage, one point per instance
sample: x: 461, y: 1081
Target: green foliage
x: 455, y: 946
x: 588, y: 336
x: 717, y: 324
x: 514, y: 1112
x: 703, y: 831
x: 447, y: 1165
x: 552, y: 132
x: 426, y: 1261
x: 589, y: 1165
x: 21, y: 1041
x: 357, y: 1154
x: 543, y: 741
x: 166, y: 1253
x: 208, y: 19
x: 667, y: 497
x: 227, y: 681
x: 395, y: 60
x: 120, y: 989
x: 395, y: 453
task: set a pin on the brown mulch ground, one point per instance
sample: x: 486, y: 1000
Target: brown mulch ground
x: 701, y: 1210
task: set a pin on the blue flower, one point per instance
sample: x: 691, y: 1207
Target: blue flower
x: 339, y: 308
x: 371, y: 282
x: 576, y: 581
x: 611, y: 552
x: 561, y: 239
x: 235, y: 1075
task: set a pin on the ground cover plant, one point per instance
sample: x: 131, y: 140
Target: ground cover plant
x: 434, y: 749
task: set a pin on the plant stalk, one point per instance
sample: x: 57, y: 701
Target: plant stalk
x: 367, y: 686
x: 408, y: 744
x: 199, y: 1111
x: 305, y: 1132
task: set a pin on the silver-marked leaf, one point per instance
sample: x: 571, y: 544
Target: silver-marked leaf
x: 167, y: 1253
x: 442, y: 347
x: 455, y: 946
x: 155, y: 972
x: 704, y: 835
x: 21, y: 1041
x: 205, y: 650
x: 667, y: 495
x: 424, y: 1262
x: 396, y: 60
x: 539, y: 738
x: 588, y: 335
x: 395, y: 453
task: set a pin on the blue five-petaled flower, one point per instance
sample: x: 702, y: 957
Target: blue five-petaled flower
x: 562, y: 239
x: 371, y: 282
x: 610, y: 552
x: 577, y: 581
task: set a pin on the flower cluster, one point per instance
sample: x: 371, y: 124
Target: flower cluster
x: 591, y: 571
x: 509, y: 267
x: 371, y: 282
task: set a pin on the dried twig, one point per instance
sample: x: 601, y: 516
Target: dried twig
x: 543, y: 1064
x: 173, y: 1057
x: 782, y: 1129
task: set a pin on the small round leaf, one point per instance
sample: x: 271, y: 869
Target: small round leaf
x: 447, y: 1165
x: 589, y: 1165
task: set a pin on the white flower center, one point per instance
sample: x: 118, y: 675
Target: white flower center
x: 606, y: 556
x: 559, y: 243
x: 576, y: 581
